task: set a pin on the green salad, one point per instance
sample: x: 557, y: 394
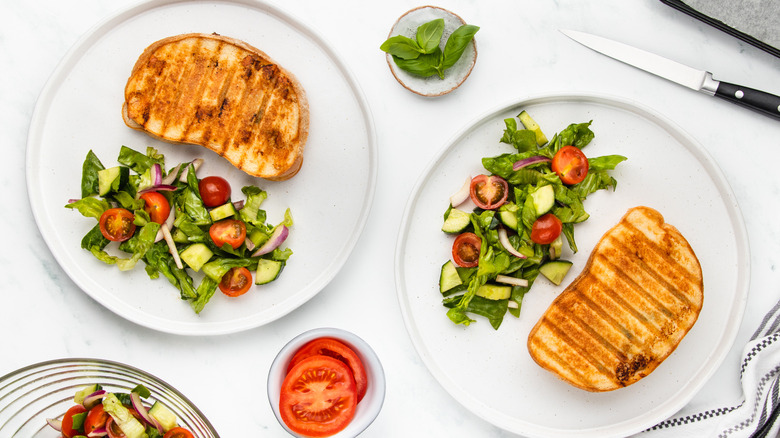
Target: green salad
x: 526, y: 205
x: 177, y: 224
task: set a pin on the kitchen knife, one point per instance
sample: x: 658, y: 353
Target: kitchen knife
x: 699, y: 80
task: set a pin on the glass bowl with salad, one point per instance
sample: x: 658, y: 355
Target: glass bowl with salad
x: 62, y: 397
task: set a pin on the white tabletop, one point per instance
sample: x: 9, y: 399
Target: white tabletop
x: 521, y: 54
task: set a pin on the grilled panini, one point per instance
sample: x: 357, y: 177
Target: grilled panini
x: 639, y: 294
x: 223, y: 94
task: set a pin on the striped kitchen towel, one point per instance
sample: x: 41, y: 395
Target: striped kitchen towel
x: 756, y: 415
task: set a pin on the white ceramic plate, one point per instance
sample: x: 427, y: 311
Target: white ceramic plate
x: 490, y: 372
x: 80, y: 109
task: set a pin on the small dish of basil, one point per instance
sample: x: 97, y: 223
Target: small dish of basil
x: 431, y: 51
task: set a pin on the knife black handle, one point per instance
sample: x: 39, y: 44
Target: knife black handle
x: 756, y: 100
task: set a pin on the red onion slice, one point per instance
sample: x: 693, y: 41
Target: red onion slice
x: 514, y: 281
x: 158, y: 188
x: 156, y: 174
x: 93, y: 399
x: 141, y: 409
x: 55, y: 424
x: 169, y: 223
x: 98, y: 432
x: 196, y: 163
x: 504, y: 239
x: 529, y: 161
x: 171, y: 177
x: 462, y: 194
x: 277, y: 237
x: 171, y: 245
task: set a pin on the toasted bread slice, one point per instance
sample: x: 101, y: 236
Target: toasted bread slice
x: 639, y: 294
x: 223, y: 94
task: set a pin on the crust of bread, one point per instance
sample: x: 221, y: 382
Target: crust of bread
x: 639, y: 294
x: 223, y: 94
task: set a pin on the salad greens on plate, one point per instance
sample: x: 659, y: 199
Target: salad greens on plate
x: 178, y: 224
x: 526, y: 205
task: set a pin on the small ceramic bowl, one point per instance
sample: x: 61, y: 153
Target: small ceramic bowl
x: 454, y: 76
x: 368, y: 408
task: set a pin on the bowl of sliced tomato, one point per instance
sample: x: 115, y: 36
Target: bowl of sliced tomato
x: 326, y: 382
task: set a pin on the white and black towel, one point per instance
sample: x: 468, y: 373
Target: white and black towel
x: 756, y: 415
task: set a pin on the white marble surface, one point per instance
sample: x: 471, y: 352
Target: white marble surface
x: 44, y: 315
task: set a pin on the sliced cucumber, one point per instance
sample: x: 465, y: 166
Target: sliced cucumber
x: 555, y: 270
x: 543, y: 198
x: 179, y: 236
x: 111, y: 178
x: 84, y: 392
x: 456, y: 221
x: 268, y: 270
x: 494, y: 292
x: 449, y: 280
x: 196, y: 255
x: 222, y: 212
x: 130, y: 426
x: 508, y: 215
x: 163, y: 415
x: 531, y: 124
x: 556, y: 248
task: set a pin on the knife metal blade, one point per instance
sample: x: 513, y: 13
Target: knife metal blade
x: 699, y: 80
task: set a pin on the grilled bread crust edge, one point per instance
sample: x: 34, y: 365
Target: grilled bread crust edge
x: 639, y: 294
x: 265, y: 128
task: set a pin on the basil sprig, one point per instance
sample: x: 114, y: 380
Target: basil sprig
x: 422, y: 56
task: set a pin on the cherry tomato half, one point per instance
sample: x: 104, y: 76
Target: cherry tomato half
x: 117, y: 224
x: 570, y: 164
x: 546, y: 229
x: 67, y: 421
x: 338, y: 350
x: 214, y: 190
x: 488, y: 192
x: 157, y: 206
x: 465, y: 250
x: 318, y: 397
x: 230, y: 231
x: 236, y: 281
x: 96, y: 419
x: 178, y: 432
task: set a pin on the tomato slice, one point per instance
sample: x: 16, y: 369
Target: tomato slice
x: 67, y: 421
x: 117, y: 224
x: 236, y: 281
x: 546, y: 229
x: 318, y: 396
x: 178, y: 432
x: 96, y: 419
x: 338, y: 350
x: 465, y: 250
x: 488, y: 192
x: 230, y: 231
x: 214, y: 190
x: 157, y: 206
x: 570, y: 164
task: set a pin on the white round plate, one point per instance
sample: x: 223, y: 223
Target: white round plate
x: 490, y: 372
x: 80, y: 109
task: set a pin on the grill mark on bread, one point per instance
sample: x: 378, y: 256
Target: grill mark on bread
x: 561, y: 325
x: 624, y: 277
x: 655, y: 274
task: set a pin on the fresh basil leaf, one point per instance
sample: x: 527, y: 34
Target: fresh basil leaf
x: 402, y: 47
x: 429, y: 35
x: 425, y: 65
x: 89, y: 175
x: 457, y: 43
